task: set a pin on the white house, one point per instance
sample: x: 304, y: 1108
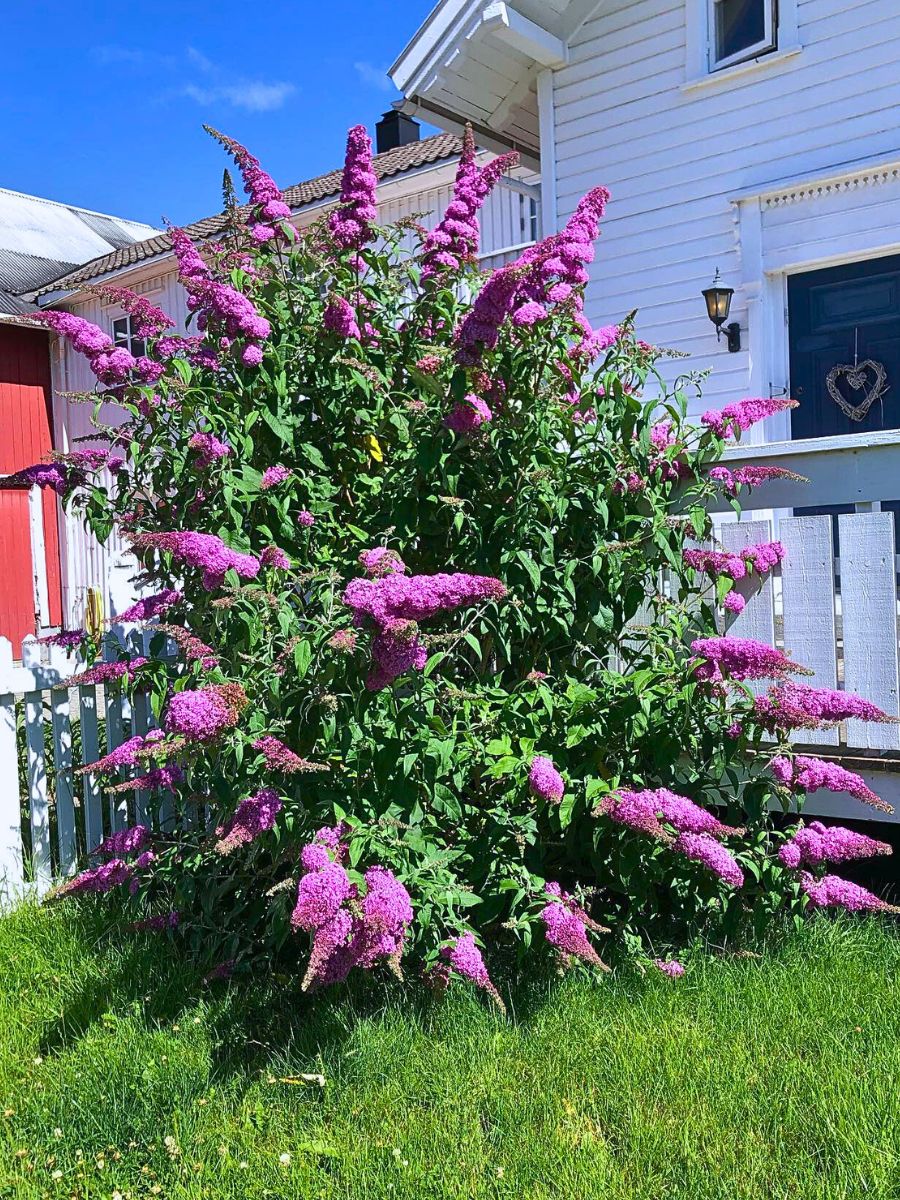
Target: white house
x: 415, y: 178
x: 760, y: 138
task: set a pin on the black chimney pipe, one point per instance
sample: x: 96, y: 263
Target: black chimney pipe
x: 395, y: 129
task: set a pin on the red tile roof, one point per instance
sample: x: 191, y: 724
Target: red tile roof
x: 392, y: 162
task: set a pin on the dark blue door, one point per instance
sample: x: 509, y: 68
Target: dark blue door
x: 839, y: 319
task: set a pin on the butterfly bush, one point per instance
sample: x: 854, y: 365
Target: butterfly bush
x: 397, y: 526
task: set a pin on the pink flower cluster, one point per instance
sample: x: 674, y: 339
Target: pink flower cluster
x: 67, y: 639
x: 204, y: 714
x: 382, y: 561
x: 833, y: 892
x: 751, y: 476
x: 267, y: 201
x: 672, y: 968
x: 127, y: 754
x: 468, y: 415
x: 815, y: 844
x: 704, y: 849
x: 454, y: 240
x: 124, y: 842
x: 43, y: 475
x: 98, y: 880
x: 209, y: 449
x: 280, y: 758
x: 803, y: 774
x: 204, y: 551
x: 464, y: 957
x: 147, y: 320
x: 566, y: 925
x: 305, y: 518
x: 735, y: 563
x: 545, y: 781
x: 110, y: 363
x: 550, y: 272
x: 218, y: 303
x: 93, y: 460
x: 645, y: 810
x: 791, y: 705
x: 272, y: 476
x: 340, y: 318
x: 107, y: 672
x: 150, y: 606
x: 343, y: 640
x: 735, y: 418
x: 159, y: 923
x: 351, y: 223
x: 739, y: 659
x: 396, y: 603
x: 348, y: 929
x: 253, y: 816
x: 481, y: 325
x: 190, y: 646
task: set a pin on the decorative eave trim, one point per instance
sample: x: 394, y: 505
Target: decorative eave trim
x: 833, y: 182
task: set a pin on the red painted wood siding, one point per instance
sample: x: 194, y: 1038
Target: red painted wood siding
x: 16, y: 581
x: 26, y: 436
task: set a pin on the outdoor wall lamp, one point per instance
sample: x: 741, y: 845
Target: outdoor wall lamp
x: 718, y: 306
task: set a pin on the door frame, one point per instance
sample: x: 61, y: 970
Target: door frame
x: 765, y: 271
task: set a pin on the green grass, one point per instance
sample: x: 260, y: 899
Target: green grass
x: 761, y: 1078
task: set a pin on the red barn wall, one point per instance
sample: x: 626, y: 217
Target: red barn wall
x: 26, y: 436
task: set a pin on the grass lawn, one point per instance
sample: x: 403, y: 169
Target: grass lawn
x: 120, y: 1076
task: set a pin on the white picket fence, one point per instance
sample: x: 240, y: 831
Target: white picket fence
x: 49, y: 815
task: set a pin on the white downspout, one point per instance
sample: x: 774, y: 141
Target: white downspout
x: 547, y: 134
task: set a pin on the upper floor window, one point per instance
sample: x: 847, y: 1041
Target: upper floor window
x: 124, y: 336
x: 741, y: 29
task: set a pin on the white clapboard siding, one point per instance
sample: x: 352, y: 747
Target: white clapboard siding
x: 674, y: 156
x: 869, y: 608
x: 807, y: 590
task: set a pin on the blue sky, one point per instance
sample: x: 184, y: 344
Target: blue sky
x: 102, y: 104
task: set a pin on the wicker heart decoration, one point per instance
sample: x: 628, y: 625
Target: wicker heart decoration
x: 859, y: 376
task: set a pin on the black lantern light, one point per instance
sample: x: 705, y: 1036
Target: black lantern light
x: 718, y: 306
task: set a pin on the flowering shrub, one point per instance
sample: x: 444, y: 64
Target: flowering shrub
x: 398, y: 519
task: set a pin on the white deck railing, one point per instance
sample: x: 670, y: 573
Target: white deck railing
x: 837, y: 613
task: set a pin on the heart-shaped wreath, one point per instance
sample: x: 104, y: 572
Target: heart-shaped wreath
x: 858, y: 376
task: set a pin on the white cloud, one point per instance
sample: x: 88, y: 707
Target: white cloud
x: 253, y: 95
x: 372, y: 76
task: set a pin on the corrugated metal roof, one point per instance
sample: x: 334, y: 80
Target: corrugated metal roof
x: 15, y: 306
x: 413, y: 156
x: 41, y: 239
x: 23, y: 272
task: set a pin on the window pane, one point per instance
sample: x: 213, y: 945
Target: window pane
x: 739, y: 24
x: 121, y: 331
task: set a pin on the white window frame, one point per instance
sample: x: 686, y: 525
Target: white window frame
x: 129, y: 339
x: 768, y: 45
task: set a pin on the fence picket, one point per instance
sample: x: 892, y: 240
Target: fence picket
x: 36, y: 775
x: 65, y: 799
x: 869, y: 606
x: 141, y: 715
x: 90, y: 752
x: 757, y: 621
x: 807, y: 588
x: 118, y: 730
x: 12, y: 878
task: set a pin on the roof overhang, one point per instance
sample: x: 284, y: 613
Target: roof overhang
x: 478, y: 61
